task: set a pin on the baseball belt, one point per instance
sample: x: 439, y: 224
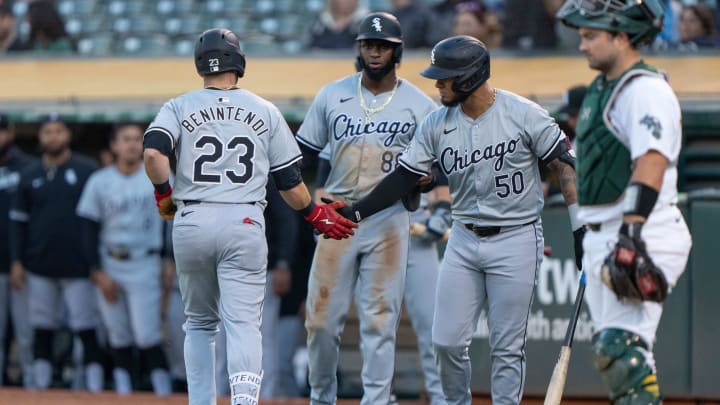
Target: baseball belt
x: 485, y: 231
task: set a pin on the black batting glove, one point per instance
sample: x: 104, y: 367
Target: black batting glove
x: 578, y: 236
x: 348, y: 212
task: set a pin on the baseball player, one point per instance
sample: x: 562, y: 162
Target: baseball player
x: 46, y: 239
x: 366, y: 119
x: 488, y: 143
x: 422, y: 269
x: 123, y: 249
x: 226, y: 141
x: 628, y: 141
x: 13, y: 301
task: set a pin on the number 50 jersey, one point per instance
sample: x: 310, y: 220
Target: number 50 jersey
x: 226, y: 142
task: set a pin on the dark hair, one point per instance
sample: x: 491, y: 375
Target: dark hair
x: 120, y: 126
x: 6, y: 9
x: 707, y: 20
x: 44, y: 18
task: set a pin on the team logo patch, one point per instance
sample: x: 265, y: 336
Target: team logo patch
x: 376, y: 24
x: 71, y: 177
x: 653, y: 125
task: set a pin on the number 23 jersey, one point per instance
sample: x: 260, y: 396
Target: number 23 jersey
x: 362, y: 151
x: 226, y: 142
x: 491, y: 162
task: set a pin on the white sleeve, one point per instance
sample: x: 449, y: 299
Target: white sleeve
x: 420, y: 153
x: 647, y: 112
x: 313, y: 131
x: 89, y: 204
x: 167, y: 122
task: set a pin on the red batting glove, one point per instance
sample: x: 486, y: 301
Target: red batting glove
x: 165, y: 204
x: 327, y: 221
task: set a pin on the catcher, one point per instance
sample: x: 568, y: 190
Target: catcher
x: 628, y: 142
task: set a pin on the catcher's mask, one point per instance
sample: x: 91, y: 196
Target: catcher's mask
x: 462, y: 57
x: 218, y: 50
x: 642, y: 20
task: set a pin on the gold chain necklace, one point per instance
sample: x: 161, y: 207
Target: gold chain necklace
x: 370, y: 111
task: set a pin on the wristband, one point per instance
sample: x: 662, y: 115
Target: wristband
x: 307, y: 210
x: 639, y: 199
x: 162, y: 188
x: 573, y: 214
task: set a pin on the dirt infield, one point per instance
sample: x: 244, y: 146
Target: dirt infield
x: 11, y: 396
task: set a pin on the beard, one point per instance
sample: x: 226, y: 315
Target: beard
x: 53, y: 151
x: 5, y: 149
x: 459, y: 98
x: 375, y: 74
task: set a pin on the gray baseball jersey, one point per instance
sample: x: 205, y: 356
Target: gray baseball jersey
x: 124, y: 206
x: 226, y: 143
x: 493, y: 179
x: 362, y: 152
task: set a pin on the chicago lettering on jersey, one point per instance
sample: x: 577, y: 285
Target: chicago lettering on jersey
x: 345, y: 126
x: 225, y: 113
x: 452, y: 160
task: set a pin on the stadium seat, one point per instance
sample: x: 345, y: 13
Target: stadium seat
x: 98, y: 44
x: 157, y: 44
x: 77, y: 8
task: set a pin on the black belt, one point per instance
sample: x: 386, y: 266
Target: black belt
x: 122, y: 254
x: 191, y: 202
x: 594, y: 227
x: 485, y: 231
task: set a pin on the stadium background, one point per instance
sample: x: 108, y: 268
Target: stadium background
x: 135, y: 55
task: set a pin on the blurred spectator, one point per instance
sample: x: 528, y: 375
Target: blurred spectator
x: 529, y: 25
x: 414, y: 19
x: 696, y: 28
x: 9, y: 40
x: 442, y: 16
x: 47, y: 28
x: 336, y: 26
x: 475, y: 20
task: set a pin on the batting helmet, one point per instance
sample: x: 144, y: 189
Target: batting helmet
x: 642, y: 20
x: 383, y: 26
x: 463, y: 57
x: 218, y: 50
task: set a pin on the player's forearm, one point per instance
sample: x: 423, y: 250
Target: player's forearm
x: 650, y: 169
x: 567, y: 179
x: 157, y: 166
x: 297, y: 197
x: 18, y: 230
x: 91, y: 231
x: 649, y: 172
x: 390, y: 189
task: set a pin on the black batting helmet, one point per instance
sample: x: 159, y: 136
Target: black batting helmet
x: 383, y: 26
x: 463, y: 57
x: 218, y: 50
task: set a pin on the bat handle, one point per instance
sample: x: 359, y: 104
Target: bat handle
x: 576, y: 312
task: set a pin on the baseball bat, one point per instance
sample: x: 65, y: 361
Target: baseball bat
x: 557, y: 381
x: 417, y: 229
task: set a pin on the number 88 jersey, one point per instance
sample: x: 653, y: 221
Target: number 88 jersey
x: 363, y: 147
x: 226, y: 143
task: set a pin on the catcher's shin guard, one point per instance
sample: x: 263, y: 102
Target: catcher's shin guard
x: 619, y: 356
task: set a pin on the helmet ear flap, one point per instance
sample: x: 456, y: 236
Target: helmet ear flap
x: 474, y: 77
x: 397, y: 53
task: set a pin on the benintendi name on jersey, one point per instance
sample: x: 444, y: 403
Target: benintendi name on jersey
x: 224, y: 113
